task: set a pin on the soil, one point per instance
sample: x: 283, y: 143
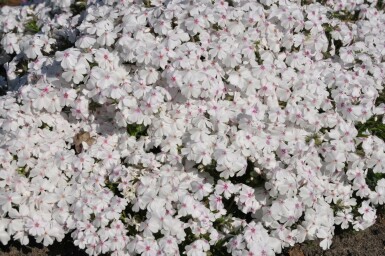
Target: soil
x: 10, y: 2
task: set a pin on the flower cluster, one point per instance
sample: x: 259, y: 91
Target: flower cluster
x: 190, y: 127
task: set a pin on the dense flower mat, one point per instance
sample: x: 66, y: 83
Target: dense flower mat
x: 190, y: 127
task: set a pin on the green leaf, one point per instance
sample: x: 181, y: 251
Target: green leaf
x: 32, y: 26
x: 137, y: 130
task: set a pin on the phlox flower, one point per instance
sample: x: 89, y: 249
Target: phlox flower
x: 194, y: 24
x: 168, y: 245
x: 85, y: 42
x: 236, y: 244
x: 104, y: 58
x: 377, y: 162
x: 41, y: 98
x: 191, y: 86
x: 149, y: 75
x: 225, y: 188
x: 107, y: 38
x: 80, y: 108
x: 48, y: 42
x: 147, y: 247
x: 10, y: 43
x: 103, y: 245
x: 197, y: 248
x: 117, y: 243
x: 54, y: 232
x: 247, y: 199
x: 233, y: 59
x: 215, y: 202
x: 67, y: 97
x: 144, y: 55
x: 223, y: 156
x: 327, y: 236
x: 368, y: 212
x: 377, y: 196
x: 343, y: 218
x: 176, y: 37
x: 63, y: 160
x: 7, y: 199
x: 68, y: 58
x: 361, y: 187
x: 75, y: 74
x: 4, y: 235
x: 36, y: 225
x: 32, y: 47
x: 261, y: 249
x: 200, y: 189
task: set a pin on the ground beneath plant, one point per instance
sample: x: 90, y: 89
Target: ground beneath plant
x: 370, y: 242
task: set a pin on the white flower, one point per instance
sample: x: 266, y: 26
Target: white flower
x: 198, y: 248
x: 147, y: 247
x: 4, y: 235
x: 104, y: 58
x: 32, y: 47
x: 68, y: 58
x: 75, y: 74
x: 67, y: 97
x: 36, y: 226
x: 10, y: 43
x: 85, y: 42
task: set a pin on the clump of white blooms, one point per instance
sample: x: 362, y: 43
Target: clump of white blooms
x: 212, y: 125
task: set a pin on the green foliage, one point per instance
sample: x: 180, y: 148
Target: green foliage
x: 92, y: 106
x: 195, y: 38
x: 250, y: 178
x: 32, y: 26
x: 174, y: 22
x: 22, y: 171
x: 381, y: 97
x: 258, y: 57
x: 380, y: 5
x: 3, y: 72
x: 374, y: 125
x: 229, y: 97
x: 216, y: 27
x: 315, y: 137
x: 219, y: 249
x: 44, y: 126
x: 337, y: 43
x: 78, y: 7
x: 339, y: 206
x: 3, y: 91
x: 62, y: 43
x: 373, y: 178
x: 230, y: 2
x: 345, y: 15
x: 147, y: 3
x: 137, y: 130
x: 22, y: 67
x: 282, y: 104
x: 113, y: 186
